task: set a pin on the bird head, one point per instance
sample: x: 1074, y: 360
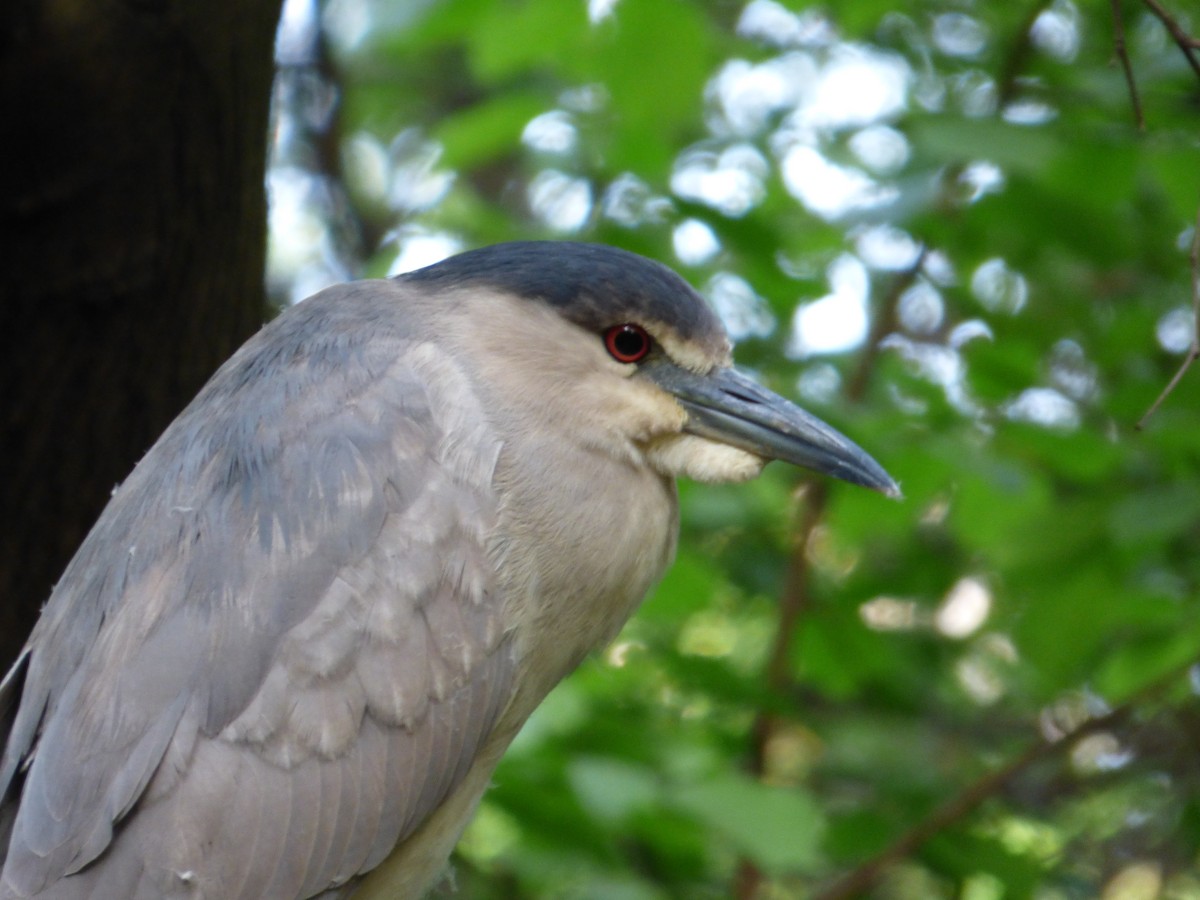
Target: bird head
x: 623, y: 352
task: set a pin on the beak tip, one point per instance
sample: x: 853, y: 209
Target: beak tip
x: 876, y: 479
x: 854, y: 465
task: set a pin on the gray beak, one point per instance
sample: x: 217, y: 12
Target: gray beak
x: 729, y: 407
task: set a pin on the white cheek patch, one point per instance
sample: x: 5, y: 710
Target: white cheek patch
x: 644, y: 411
x: 697, y: 458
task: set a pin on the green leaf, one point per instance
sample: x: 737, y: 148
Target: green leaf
x: 488, y: 130
x: 779, y: 828
x: 1015, y: 148
x: 1155, y: 514
x: 611, y: 789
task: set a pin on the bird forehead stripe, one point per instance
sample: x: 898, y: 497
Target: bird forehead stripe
x: 592, y: 285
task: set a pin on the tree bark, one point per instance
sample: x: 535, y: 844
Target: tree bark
x: 133, y: 221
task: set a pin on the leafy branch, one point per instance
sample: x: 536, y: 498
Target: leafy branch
x: 991, y: 784
x: 1188, y: 46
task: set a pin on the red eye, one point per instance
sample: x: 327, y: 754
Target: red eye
x: 627, y: 343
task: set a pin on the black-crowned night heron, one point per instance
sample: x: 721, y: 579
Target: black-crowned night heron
x: 287, y: 658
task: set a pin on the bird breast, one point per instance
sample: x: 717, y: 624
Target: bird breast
x: 582, y: 538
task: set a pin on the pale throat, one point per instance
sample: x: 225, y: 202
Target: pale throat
x: 700, y: 459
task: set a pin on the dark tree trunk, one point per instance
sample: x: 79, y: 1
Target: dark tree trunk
x: 132, y: 217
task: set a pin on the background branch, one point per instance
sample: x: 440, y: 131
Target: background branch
x: 1194, y: 350
x: 957, y: 808
x: 1187, y: 44
x: 1123, y: 56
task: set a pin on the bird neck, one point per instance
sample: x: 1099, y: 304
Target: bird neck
x: 593, y: 534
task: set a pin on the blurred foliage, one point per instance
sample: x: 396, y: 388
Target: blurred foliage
x: 986, y: 682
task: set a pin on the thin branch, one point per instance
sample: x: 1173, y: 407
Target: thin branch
x: 310, y: 87
x: 795, y: 597
x: 957, y: 808
x: 1187, y: 44
x: 1194, y: 350
x: 1126, y: 66
x: 1192, y: 355
x: 883, y: 325
x: 1017, y: 55
x: 793, y: 601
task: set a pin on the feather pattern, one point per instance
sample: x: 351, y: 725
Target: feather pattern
x: 287, y: 610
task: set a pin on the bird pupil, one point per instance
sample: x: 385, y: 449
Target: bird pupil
x: 628, y: 342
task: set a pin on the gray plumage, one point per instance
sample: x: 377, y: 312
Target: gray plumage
x: 306, y: 627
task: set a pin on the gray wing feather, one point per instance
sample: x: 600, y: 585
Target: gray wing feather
x: 280, y: 647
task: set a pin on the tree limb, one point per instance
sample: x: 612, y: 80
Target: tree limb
x: 957, y: 808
